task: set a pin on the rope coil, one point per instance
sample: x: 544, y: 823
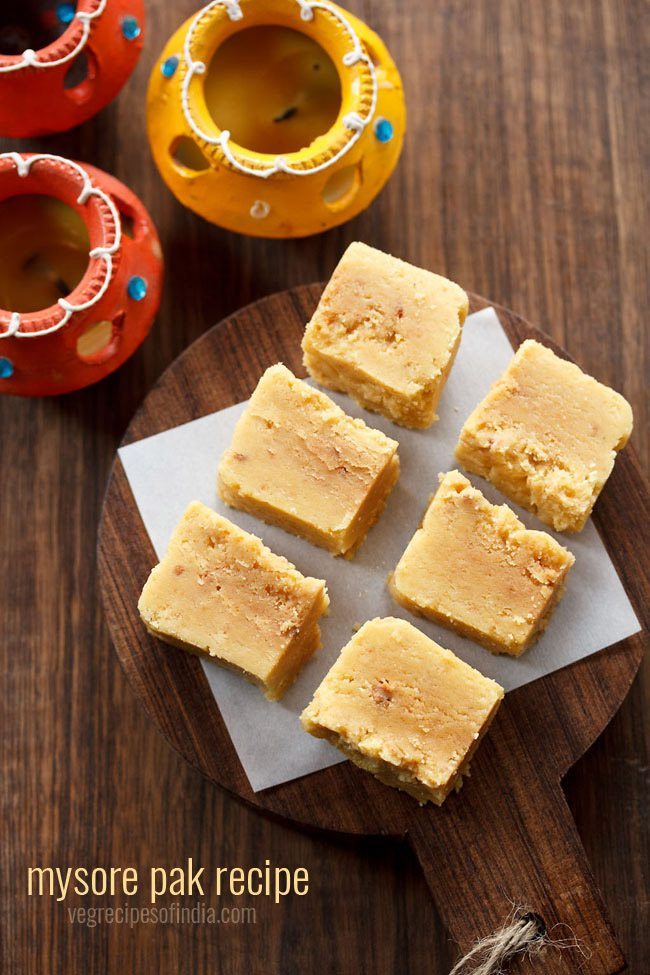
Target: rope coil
x: 523, y: 934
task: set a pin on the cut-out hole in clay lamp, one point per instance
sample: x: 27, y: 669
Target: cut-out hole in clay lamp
x: 127, y: 222
x: 62, y: 62
x: 94, y: 339
x: 77, y: 73
x: 77, y: 295
x: 276, y: 97
x: 80, y: 79
x: 100, y: 341
x: 341, y: 187
x: 187, y: 154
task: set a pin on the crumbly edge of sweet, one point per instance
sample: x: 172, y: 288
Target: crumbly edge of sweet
x: 535, y: 485
x: 506, y: 523
x: 416, y: 411
x: 543, y: 484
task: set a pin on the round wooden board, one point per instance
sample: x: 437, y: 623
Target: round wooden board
x: 508, y: 837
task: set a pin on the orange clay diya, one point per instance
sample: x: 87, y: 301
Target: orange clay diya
x: 61, y: 62
x: 80, y: 274
x: 276, y: 118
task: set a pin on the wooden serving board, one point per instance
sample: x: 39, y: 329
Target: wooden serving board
x: 508, y: 837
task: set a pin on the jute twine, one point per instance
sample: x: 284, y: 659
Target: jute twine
x: 524, y: 934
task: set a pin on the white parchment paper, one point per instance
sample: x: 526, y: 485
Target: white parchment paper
x: 169, y: 470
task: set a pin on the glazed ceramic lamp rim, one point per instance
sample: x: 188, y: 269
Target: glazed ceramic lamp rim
x: 215, y: 24
x: 22, y: 174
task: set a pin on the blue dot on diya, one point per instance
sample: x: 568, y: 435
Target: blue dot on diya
x: 65, y: 12
x: 131, y: 28
x: 383, y: 130
x: 136, y: 288
x: 6, y: 368
x: 169, y: 65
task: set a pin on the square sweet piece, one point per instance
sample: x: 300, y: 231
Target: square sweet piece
x: 220, y: 593
x: 475, y: 568
x: 386, y: 333
x: 298, y: 461
x: 404, y: 708
x: 547, y: 436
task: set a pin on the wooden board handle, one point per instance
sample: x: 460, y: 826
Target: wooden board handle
x: 530, y: 856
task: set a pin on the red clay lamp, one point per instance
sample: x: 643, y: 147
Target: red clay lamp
x: 61, y: 61
x: 80, y: 274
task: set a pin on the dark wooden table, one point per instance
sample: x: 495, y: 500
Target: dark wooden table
x: 524, y: 177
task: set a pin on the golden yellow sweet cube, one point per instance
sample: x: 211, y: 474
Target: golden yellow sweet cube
x: 298, y: 461
x: 475, y: 568
x: 402, y: 707
x: 386, y: 333
x: 220, y: 593
x: 547, y: 435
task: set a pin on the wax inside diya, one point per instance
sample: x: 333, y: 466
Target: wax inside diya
x: 274, y: 89
x: 32, y: 24
x: 44, y: 246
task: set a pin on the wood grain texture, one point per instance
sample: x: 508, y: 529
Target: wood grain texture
x: 509, y: 836
x: 524, y: 178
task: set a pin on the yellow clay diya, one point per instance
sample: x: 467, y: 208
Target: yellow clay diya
x: 275, y: 118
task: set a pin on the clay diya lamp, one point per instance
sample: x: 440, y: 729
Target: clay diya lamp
x: 276, y: 118
x: 80, y: 274
x: 61, y: 62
